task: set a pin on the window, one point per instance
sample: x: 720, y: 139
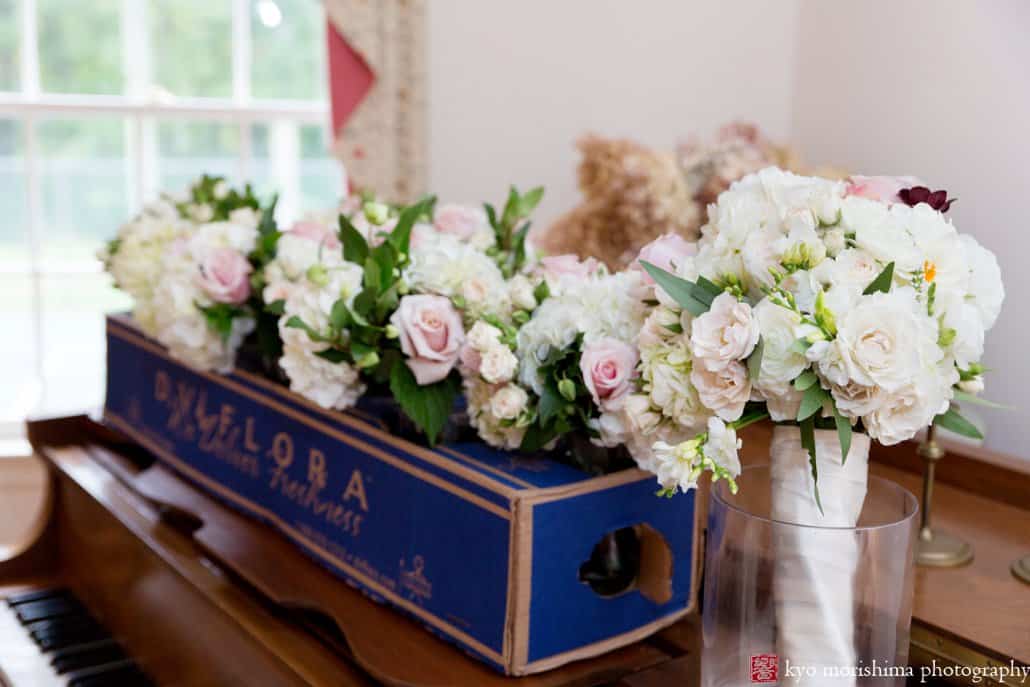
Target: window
x: 103, y: 105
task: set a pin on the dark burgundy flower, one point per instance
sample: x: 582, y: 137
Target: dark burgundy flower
x: 938, y: 200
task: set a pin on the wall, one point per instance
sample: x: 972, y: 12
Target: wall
x: 514, y: 84
x: 939, y: 90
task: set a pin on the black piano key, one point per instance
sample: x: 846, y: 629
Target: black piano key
x: 37, y: 595
x: 86, y: 656
x: 47, y: 608
x: 121, y: 673
x: 60, y: 636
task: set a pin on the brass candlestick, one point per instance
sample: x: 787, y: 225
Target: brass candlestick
x: 935, y: 548
x: 1021, y: 569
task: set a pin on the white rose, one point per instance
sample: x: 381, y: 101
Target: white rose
x: 483, y: 336
x: 498, y: 364
x: 475, y: 291
x: 520, y: 290
x: 726, y: 333
x: 908, y: 410
x: 724, y: 391
x: 780, y: 363
x: 985, y: 288
x: 509, y: 402
x: 246, y: 216
x: 886, y: 339
x: 881, y: 230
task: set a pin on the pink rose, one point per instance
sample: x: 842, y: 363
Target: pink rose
x: 430, y: 335
x: 471, y: 359
x: 667, y: 252
x: 557, y: 266
x: 609, y: 367
x: 317, y: 232
x: 225, y: 276
x: 460, y: 220
x: 883, y: 189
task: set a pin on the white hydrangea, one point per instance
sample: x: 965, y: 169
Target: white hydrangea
x: 595, y: 307
x: 495, y: 429
x: 331, y: 385
x: 134, y: 258
x: 447, y: 266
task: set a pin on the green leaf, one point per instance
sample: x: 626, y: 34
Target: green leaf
x: 372, y: 275
x: 491, y: 214
x: 296, y: 323
x: 219, y: 317
x: 754, y: 361
x: 267, y: 224
x: 976, y: 400
x: 339, y: 316
x: 355, y: 247
x: 882, y: 282
x: 529, y: 200
x: 808, y: 443
x: 541, y: 292
x: 384, y: 255
x: 333, y: 355
x: 952, y: 421
x: 536, y: 437
x: 428, y: 406
x: 551, y: 402
x: 276, y: 307
x: 843, y: 433
x: 805, y: 380
x: 679, y: 289
x: 400, y: 237
x: 813, y: 400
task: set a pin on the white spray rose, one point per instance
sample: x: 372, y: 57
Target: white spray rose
x: 726, y: 333
x: 724, y: 391
x: 498, y: 364
x: 509, y: 402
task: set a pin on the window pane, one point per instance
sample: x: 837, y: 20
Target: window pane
x: 192, y: 44
x: 288, y: 52
x: 321, y: 178
x: 9, y: 22
x: 84, y: 185
x: 73, y: 340
x: 294, y: 161
x: 80, y: 47
x: 18, y: 363
x: 189, y: 149
x: 13, y: 228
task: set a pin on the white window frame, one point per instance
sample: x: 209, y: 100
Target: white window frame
x: 141, y: 109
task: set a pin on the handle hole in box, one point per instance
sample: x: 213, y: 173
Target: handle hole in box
x: 630, y: 558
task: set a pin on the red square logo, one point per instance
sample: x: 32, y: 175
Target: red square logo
x: 765, y: 668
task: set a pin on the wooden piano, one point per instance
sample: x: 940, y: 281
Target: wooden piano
x: 139, y: 578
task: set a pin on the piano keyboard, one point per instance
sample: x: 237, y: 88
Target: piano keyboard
x: 48, y: 637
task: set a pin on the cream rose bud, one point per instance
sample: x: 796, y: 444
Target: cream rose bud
x: 609, y: 366
x: 498, y: 364
x: 225, y: 276
x: 431, y: 336
x: 667, y: 252
x: 520, y: 290
x: 726, y: 333
x: 972, y: 386
x: 509, y: 402
x: 483, y: 335
x: 725, y: 391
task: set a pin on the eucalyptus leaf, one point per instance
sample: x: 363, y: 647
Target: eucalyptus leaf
x: 679, y: 289
x: 754, y: 361
x: 843, y: 433
x: 808, y: 443
x: 812, y: 402
x: 805, y: 380
x: 882, y: 282
x: 976, y: 400
x: 952, y: 421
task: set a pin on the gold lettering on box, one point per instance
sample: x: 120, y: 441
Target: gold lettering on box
x: 356, y: 489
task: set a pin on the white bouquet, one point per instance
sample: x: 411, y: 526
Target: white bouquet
x: 832, y: 307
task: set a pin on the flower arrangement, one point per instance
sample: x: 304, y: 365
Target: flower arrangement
x: 189, y: 263
x: 384, y: 301
x: 852, y: 306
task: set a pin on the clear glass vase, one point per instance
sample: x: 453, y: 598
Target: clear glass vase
x: 803, y: 604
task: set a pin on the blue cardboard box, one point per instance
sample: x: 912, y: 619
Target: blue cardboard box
x: 481, y: 546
